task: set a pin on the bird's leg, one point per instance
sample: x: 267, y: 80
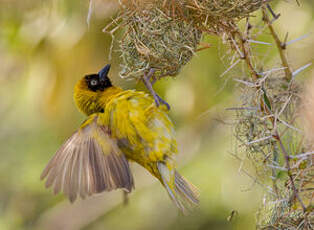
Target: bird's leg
x: 149, y: 86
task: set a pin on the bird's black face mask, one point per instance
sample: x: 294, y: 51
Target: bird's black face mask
x: 99, y: 81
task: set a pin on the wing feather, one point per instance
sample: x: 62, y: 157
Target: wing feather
x: 88, y: 162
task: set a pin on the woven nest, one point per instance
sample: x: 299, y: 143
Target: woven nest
x: 155, y: 40
x: 279, y: 215
x: 225, y: 9
x: 215, y: 16
x: 254, y: 130
x: 208, y: 15
x: 164, y: 34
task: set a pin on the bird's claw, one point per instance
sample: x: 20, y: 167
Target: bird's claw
x: 149, y: 86
x: 163, y: 102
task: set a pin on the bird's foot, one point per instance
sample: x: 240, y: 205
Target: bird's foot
x: 149, y: 86
x: 163, y: 102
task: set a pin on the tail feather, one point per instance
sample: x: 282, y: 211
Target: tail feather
x: 183, y: 193
x: 189, y: 192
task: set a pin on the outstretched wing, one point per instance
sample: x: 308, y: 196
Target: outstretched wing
x: 88, y: 162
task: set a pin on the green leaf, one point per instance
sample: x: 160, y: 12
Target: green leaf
x: 266, y: 100
x: 281, y: 174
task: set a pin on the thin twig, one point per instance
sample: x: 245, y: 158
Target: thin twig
x: 287, y: 160
x: 281, y: 46
x: 246, y: 54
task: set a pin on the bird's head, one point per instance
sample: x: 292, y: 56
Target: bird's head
x: 91, y: 91
x: 98, y: 82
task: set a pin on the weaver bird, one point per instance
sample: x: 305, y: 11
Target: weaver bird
x: 121, y: 126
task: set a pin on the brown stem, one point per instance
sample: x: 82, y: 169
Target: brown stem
x: 246, y: 55
x: 287, y: 160
x: 280, y: 45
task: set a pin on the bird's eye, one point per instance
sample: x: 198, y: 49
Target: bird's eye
x: 93, y: 82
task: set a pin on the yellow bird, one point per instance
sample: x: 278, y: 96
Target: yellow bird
x: 122, y: 126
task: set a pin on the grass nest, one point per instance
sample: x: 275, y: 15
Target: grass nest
x: 254, y: 132
x: 153, y: 39
x: 215, y: 16
x: 221, y: 10
x: 209, y: 16
x: 165, y: 34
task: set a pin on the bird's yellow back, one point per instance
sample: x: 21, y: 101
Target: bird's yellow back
x: 145, y: 132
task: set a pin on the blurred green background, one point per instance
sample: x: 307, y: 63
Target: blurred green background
x: 46, y: 46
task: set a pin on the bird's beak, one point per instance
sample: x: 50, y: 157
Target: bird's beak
x: 104, y: 72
